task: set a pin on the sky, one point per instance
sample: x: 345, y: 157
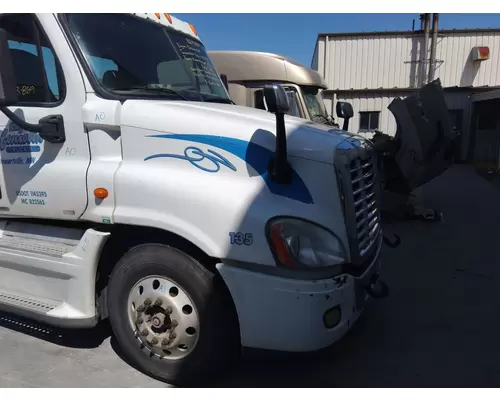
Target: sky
x: 294, y: 35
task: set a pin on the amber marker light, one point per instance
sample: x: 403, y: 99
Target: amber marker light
x: 100, y: 193
x: 193, y: 29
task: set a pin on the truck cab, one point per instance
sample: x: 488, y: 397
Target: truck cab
x: 133, y: 189
x: 248, y: 72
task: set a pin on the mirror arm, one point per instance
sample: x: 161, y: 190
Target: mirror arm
x: 18, y: 121
x: 345, y: 126
x: 280, y: 169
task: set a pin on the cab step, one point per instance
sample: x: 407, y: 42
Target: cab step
x: 39, y: 239
x: 48, y: 273
x: 35, y: 246
x: 33, y: 304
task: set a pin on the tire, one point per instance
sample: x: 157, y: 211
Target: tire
x: 217, y: 344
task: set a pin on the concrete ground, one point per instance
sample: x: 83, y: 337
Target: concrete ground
x: 438, y: 327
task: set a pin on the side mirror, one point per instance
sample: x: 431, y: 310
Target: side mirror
x: 276, y: 99
x: 223, y: 78
x: 345, y: 111
x: 8, y: 89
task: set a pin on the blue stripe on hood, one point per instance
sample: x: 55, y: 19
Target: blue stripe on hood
x: 257, y: 157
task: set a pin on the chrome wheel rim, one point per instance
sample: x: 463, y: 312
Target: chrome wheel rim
x: 163, y: 317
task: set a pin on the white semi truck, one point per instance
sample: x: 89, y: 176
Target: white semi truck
x: 131, y: 188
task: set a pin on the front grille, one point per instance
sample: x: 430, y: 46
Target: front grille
x: 357, y: 173
x: 365, y: 204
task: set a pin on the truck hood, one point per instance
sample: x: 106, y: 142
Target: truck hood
x: 305, y: 139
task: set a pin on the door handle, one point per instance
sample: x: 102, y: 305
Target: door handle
x: 50, y: 128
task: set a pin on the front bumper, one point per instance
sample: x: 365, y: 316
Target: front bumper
x: 287, y: 315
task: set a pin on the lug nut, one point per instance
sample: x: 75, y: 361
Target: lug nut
x: 147, y: 302
x: 139, y: 321
x: 174, y: 323
x: 140, y: 308
x: 154, y: 341
x: 169, y: 310
x: 165, y: 342
x: 158, y: 302
x: 144, y: 332
x: 173, y: 335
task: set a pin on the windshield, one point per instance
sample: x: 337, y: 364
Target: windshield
x: 314, y: 104
x: 293, y: 101
x: 132, y: 56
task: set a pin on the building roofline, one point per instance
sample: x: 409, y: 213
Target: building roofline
x: 402, y: 89
x: 416, y: 32
x: 484, y: 96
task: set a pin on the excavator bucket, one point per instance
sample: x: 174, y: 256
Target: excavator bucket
x: 425, y: 135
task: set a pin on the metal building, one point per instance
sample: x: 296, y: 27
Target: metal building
x: 370, y: 69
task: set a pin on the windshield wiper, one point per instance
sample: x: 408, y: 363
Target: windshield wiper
x: 320, y: 116
x: 155, y: 87
x: 218, y: 100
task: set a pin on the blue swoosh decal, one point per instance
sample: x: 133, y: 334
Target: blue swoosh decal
x: 256, y: 156
x: 195, y: 155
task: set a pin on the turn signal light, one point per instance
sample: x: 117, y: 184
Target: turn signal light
x: 100, y: 193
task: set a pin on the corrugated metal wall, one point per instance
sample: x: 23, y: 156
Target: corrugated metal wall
x: 455, y: 64
x: 367, y: 102
x: 392, y: 61
x: 379, y: 101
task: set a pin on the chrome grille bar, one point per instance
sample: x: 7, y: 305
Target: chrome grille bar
x: 357, y: 172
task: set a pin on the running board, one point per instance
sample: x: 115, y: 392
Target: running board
x: 48, y: 273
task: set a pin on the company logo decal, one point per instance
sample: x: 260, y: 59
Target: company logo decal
x: 15, y: 140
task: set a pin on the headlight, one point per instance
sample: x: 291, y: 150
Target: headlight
x: 297, y: 243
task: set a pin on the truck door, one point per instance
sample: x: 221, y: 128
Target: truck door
x: 37, y: 178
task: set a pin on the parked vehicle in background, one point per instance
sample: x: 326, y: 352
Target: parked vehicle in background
x: 249, y: 71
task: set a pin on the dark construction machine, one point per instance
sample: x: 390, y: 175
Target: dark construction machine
x: 422, y: 149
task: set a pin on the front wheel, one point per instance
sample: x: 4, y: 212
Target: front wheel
x: 171, y: 316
